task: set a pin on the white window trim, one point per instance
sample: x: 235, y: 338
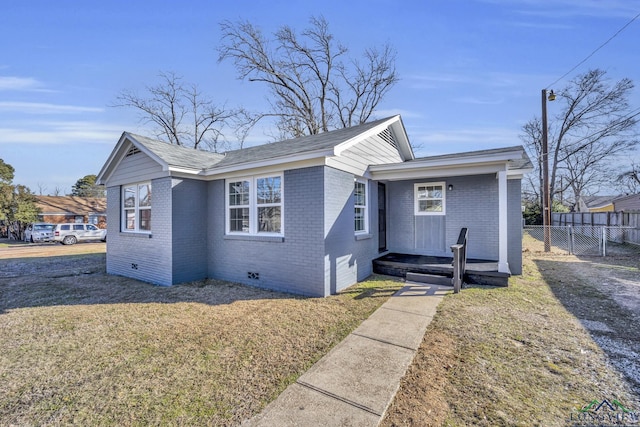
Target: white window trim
x: 365, y: 206
x: 416, y: 204
x: 136, y: 208
x: 253, y: 205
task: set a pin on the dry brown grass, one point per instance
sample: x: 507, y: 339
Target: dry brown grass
x: 82, y: 347
x: 529, y: 354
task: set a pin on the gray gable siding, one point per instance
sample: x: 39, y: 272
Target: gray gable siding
x: 190, y: 223
x: 136, y: 168
x: 293, y: 265
x: 136, y: 255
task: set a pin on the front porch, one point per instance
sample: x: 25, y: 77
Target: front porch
x: 435, y: 268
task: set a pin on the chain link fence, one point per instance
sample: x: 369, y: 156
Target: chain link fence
x: 583, y: 239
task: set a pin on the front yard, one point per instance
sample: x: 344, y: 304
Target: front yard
x: 82, y: 347
x: 562, y: 335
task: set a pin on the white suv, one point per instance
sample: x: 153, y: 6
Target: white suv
x: 71, y: 233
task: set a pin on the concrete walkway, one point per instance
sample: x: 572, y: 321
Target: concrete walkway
x: 355, y: 382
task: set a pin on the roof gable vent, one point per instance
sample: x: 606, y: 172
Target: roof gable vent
x: 133, y: 150
x: 387, y: 137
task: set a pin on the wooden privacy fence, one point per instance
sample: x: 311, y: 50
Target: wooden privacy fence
x: 630, y: 221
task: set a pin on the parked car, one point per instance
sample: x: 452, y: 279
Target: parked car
x: 39, y: 232
x: 72, y: 233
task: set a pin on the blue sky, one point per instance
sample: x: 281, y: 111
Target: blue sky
x: 471, y: 71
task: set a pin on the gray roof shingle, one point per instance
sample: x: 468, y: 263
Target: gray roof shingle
x: 319, y: 142
x: 180, y: 156
x: 175, y: 155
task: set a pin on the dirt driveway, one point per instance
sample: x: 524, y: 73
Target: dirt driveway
x: 603, y: 293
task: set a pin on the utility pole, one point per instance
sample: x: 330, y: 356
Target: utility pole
x: 546, y: 197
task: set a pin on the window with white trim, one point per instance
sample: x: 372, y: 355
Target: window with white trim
x: 429, y: 198
x: 136, y: 207
x: 254, y: 205
x: 360, y: 206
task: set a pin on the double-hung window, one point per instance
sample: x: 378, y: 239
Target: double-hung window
x: 254, y: 205
x: 360, y: 203
x: 429, y: 198
x: 136, y: 207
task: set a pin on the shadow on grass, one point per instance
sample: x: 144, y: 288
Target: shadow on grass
x: 611, y: 326
x: 376, y: 286
x: 82, y: 280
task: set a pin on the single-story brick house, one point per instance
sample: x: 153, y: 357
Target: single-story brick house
x: 307, y: 215
x: 58, y: 209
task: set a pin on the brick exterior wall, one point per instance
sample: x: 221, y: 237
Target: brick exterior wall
x: 320, y: 253
x: 473, y: 203
x: 190, y: 225
x: 293, y: 264
x: 138, y: 255
x: 347, y: 258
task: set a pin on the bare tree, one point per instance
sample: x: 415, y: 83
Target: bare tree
x: 629, y: 180
x: 181, y: 114
x: 315, y: 87
x: 594, y: 125
x: 41, y: 188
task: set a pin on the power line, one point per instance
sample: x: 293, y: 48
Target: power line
x: 601, y: 132
x: 596, y: 50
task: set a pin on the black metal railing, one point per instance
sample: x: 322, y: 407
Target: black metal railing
x: 459, y: 260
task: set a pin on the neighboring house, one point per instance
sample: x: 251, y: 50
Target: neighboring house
x: 596, y: 204
x: 58, y: 209
x: 307, y: 215
x: 627, y: 203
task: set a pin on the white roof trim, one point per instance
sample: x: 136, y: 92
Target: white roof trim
x: 451, y: 161
x: 482, y: 163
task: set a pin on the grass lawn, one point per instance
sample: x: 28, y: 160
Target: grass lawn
x: 531, y: 354
x: 80, y: 347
